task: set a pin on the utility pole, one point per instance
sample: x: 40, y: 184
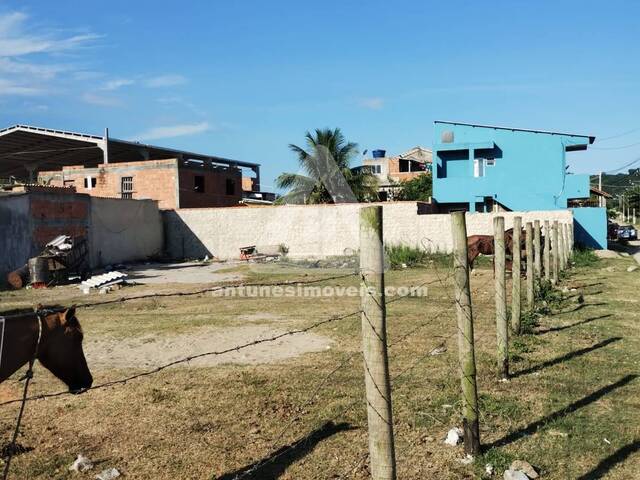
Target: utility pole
x: 600, y: 197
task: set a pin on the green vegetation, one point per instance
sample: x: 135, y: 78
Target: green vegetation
x: 404, y: 256
x: 325, y: 160
x: 584, y: 257
x: 419, y: 188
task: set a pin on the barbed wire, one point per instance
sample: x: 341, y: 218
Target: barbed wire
x: 190, y: 358
x: 216, y: 288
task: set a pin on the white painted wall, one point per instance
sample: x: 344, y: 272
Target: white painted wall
x: 317, y: 231
x: 124, y: 230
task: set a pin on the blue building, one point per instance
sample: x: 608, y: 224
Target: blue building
x: 479, y: 168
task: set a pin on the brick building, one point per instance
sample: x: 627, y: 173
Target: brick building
x: 108, y: 167
x: 174, y: 183
x: 392, y: 170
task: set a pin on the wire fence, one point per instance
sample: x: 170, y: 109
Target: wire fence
x: 397, y: 382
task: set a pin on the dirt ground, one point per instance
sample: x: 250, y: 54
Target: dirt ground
x: 184, y: 272
x: 295, y: 409
x: 148, y: 351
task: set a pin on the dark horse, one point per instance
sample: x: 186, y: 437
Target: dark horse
x: 477, y: 244
x: 54, y: 337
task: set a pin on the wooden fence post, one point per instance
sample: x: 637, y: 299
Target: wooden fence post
x: 547, y: 253
x: 567, y: 228
x: 561, y: 247
x: 374, y: 345
x: 537, y: 260
x: 571, y: 238
x: 501, y: 297
x: 516, y: 296
x: 530, y: 266
x: 555, y: 253
x: 466, y: 353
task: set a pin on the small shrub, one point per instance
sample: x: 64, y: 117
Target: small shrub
x: 283, y: 249
x: 401, y: 256
x: 584, y: 257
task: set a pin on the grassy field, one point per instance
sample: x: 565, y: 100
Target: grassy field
x: 572, y: 408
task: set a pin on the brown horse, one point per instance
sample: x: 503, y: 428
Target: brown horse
x: 477, y: 244
x: 54, y: 337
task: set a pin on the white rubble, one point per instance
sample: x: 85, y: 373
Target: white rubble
x: 454, y: 437
x: 514, y: 475
x: 108, y: 474
x: 524, y: 467
x: 81, y: 464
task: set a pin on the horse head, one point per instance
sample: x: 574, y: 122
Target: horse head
x: 60, y: 350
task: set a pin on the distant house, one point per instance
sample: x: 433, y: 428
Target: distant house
x: 108, y: 167
x: 481, y: 168
x: 390, y: 171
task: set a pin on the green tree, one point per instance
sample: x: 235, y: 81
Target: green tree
x: 329, y: 178
x: 419, y: 188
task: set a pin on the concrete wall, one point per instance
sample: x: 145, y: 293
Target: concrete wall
x: 124, y: 230
x: 118, y: 230
x: 316, y: 231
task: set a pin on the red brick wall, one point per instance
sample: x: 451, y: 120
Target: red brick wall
x: 152, y: 179
x: 160, y: 180
x: 215, y: 188
x: 54, y: 214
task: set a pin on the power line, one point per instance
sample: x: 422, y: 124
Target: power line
x: 628, y: 132
x: 617, y: 148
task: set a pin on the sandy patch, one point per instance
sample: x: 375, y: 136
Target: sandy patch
x: 150, y: 351
x: 186, y: 272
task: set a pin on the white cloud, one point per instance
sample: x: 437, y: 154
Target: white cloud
x: 101, y: 100
x: 372, y: 103
x: 7, y: 87
x: 117, y: 83
x: 26, y: 66
x: 170, y: 131
x: 165, y: 81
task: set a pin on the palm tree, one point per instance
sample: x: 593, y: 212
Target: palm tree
x: 329, y: 177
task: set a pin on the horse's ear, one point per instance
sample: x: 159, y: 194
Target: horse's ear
x: 68, y: 316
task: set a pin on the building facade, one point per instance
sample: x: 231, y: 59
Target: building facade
x: 480, y: 168
x: 108, y: 167
x: 173, y: 183
x: 391, y: 171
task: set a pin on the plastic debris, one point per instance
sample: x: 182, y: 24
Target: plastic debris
x: 454, y: 437
x: 108, y: 474
x: 488, y: 469
x: 81, y: 464
x: 467, y: 460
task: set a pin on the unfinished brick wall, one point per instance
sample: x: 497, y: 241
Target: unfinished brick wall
x: 169, y: 182
x: 56, y: 213
x: 215, y: 187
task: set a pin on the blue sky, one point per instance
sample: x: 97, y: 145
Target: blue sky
x: 245, y: 79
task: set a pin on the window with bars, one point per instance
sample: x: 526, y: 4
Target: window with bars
x: 126, y: 187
